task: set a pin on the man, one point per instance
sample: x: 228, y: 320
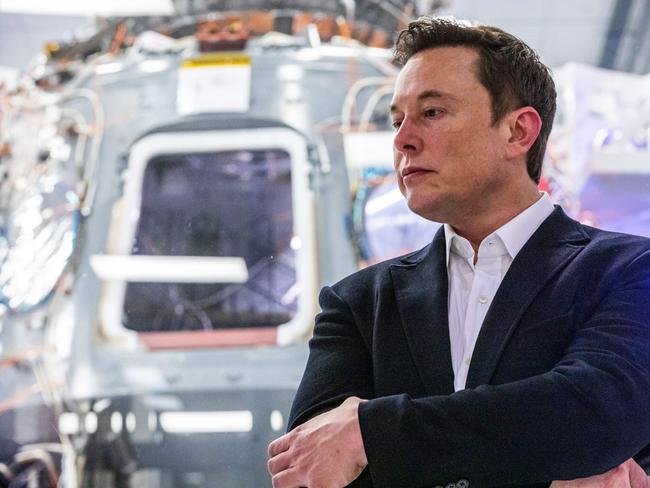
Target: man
x: 515, y: 348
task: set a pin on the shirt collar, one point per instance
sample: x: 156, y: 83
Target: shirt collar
x: 457, y: 244
x: 515, y: 233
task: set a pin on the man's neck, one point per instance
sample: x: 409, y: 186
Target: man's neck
x: 479, y: 226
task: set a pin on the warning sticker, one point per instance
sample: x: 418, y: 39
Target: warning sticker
x: 216, y: 82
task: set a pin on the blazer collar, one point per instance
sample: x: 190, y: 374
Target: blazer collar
x: 555, y: 243
x: 420, y: 284
x: 421, y: 288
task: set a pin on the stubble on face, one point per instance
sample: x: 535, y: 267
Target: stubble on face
x: 445, y: 129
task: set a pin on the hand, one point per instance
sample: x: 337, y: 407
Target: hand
x: 627, y: 475
x: 324, y: 452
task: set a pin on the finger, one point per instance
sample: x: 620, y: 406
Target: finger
x: 638, y: 478
x: 289, y: 478
x: 591, y: 482
x: 279, y: 463
x: 279, y: 445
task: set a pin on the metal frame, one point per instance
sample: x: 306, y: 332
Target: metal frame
x: 207, y: 141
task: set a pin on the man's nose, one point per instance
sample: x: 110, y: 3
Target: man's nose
x: 406, y: 139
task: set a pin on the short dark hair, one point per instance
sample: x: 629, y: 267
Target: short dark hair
x: 508, y: 68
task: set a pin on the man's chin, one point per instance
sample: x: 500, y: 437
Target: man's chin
x: 429, y: 210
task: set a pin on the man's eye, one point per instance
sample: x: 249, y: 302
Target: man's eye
x: 432, y: 112
x: 396, y: 124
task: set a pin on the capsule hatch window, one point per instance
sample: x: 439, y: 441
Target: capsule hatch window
x: 214, y: 233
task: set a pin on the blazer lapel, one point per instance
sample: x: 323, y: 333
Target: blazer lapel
x: 557, y: 241
x: 421, y: 292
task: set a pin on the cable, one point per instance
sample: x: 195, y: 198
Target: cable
x: 89, y: 176
x: 81, y: 130
x: 25, y: 355
x: 350, y: 99
x: 371, y: 105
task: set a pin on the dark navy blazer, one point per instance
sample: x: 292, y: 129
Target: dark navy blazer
x: 559, y: 383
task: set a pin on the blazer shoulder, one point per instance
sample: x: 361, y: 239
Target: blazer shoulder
x: 609, y: 242
x: 617, y: 258
x: 377, y: 275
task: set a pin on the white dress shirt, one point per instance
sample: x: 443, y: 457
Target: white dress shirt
x: 473, y: 286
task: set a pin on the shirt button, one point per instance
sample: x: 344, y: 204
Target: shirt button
x: 482, y: 300
x: 468, y: 361
x: 490, y: 243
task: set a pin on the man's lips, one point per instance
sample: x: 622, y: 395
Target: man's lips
x: 413, y: 171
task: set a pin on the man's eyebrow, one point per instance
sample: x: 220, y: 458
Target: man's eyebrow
x: 428, y: 94
x: 436, y: 94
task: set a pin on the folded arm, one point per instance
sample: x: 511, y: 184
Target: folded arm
x: 585, y: 416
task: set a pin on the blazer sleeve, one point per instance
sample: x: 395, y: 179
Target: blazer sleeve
x: 588, y: 414
x: 338, y: 367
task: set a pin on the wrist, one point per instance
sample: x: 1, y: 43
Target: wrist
x: 362, y: 459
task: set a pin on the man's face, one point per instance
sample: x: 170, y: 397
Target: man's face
x: 447, y: 154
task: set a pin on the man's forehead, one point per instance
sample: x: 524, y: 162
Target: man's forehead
x: 446, y: 54
x: 435, y: 72
x: 443, y: 60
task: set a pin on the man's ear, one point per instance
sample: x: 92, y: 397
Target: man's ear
x: 524, y: 125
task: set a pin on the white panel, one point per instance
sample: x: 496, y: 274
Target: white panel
x: 206, y: 422
x: 364, y: 149
x: 88, y: 7
x: 218, y: 83
x: 169, y: 269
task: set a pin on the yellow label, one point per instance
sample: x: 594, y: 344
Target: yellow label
x: 217, y: 59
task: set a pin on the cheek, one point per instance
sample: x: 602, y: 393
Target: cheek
x: 397, y: 159
x: 450, y: 155
x: 446, y: 144
x: 466, y: 153
x: 397, y: 163
x: 400, y: 184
